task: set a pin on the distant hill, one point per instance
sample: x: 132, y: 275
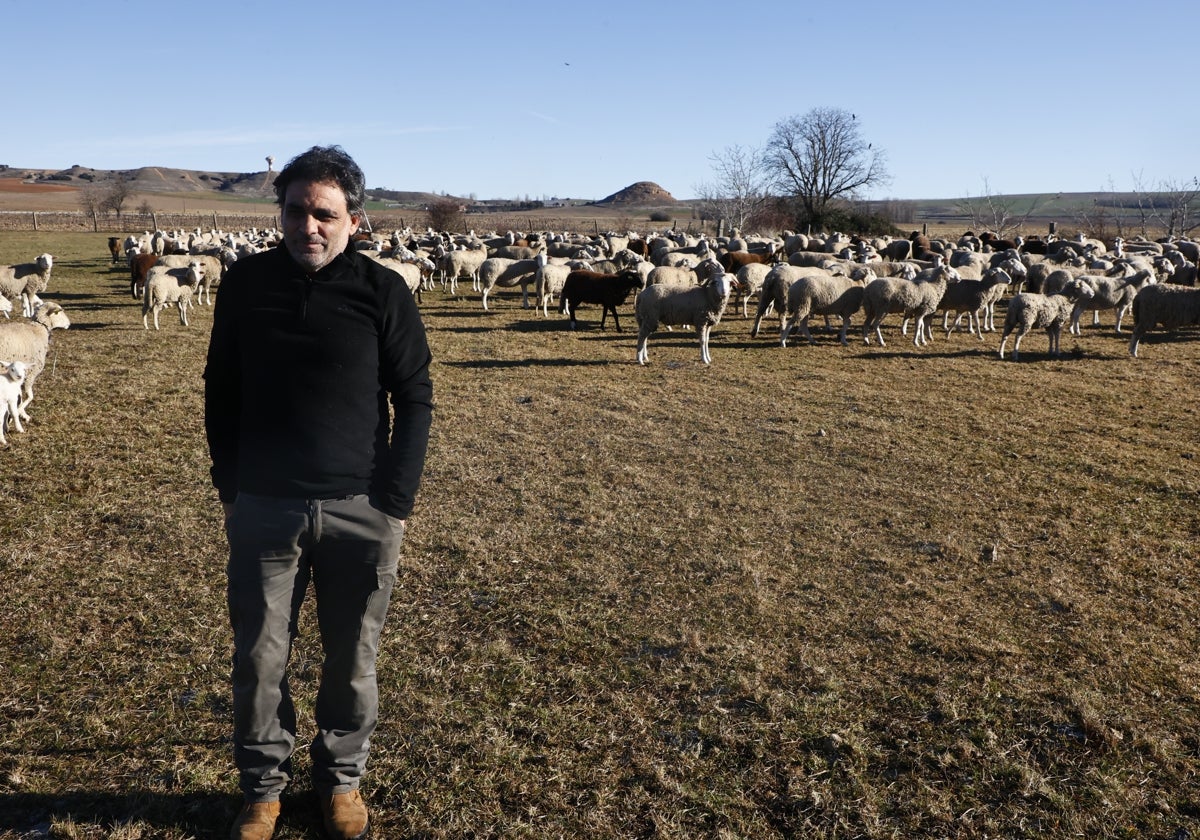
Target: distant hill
x: 641, y: 194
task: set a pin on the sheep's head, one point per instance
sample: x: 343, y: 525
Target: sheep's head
x: 51, y: 316
x: 13, y: 371
x: 44, y: 262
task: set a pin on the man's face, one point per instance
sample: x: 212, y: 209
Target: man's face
x: 316, y: 222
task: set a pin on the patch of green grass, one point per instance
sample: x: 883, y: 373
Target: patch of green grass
x: 813, y: 591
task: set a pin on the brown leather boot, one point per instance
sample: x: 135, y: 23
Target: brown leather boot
x: 256, y: 821
x: 345, y: 816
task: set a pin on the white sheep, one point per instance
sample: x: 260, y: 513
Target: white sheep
x: 774, y: 291
x: 507, y: 272
x: 972, y: 297
x: 917, y: 298
x: 25, y: 280
x: 1029, y: 309
x: 697, y: 306
x: 213, y: 267
x: 1110, y: 292
x: 166, y: 286
x: 28, y: 341
x: 833, y: 294
x: 12, y: 380
x: 548, y: 281
x: 750, y: 278
x: 1163, y: 304
x: 5, y: 306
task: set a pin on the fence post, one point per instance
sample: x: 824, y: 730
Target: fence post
x: 95, y: 223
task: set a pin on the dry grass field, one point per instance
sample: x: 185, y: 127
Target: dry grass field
x: 817, y: 591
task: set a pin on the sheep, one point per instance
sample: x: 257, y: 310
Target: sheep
x: 972, y: 297
x: 698, y: 306
x: 28, y: 341
x: 503, y: 271
x: 12, y: 379
x: 213, y: 267
x: 1168, y: 305
x: 1029, y: 309
x: 24, y: 280
x: 608, y: 290
x: 749, y: 281
x: 166, y: 286
x: 114, y: 249
x: 5, y: 306
x: 458, y: 262
x: 1111, y: 293
x: 917, y: 298
x: 774, y: 291
x: 548, y: 281
x: 816, y: 295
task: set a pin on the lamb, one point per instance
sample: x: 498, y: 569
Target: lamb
x: 698, y: 306
x: 1029, y: 309
x: 28, y: 341
x: 815, y: 295
x: 503, y: 271
x: 608, y: 290
x: 1168, y: 305
x: 24, y: 280
x: 166, y: 286
x: 1111, y: 293
x: 918, y: 298
x: 12, y: 379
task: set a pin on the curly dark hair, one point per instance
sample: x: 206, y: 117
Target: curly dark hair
x: 323, y: 164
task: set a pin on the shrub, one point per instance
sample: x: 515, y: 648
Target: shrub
x: 660, y: 216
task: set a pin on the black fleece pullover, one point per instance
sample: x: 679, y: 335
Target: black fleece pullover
x: 299, y: 375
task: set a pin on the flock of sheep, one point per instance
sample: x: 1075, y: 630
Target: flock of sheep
x: 679, y: 280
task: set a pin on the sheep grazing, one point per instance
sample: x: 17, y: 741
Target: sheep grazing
x: 834, y: 294
x: 1116, y: 293
x: 166, y: 286
x: 697, y: 306
x: 607, y: 290
x: 918, y: 298
x: 1029, y: 309
x: 28, y: 341
x: 25, y: 280
x: 12, y: 379
x: 1163, y: 305
x: 506, y: 272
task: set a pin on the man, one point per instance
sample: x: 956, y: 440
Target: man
x: 310, y: 342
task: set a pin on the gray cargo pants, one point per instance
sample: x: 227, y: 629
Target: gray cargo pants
x: 349, y: 549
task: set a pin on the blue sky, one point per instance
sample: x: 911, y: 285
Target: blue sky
x: 580, y: 100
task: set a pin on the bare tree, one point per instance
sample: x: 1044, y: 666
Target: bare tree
x: 445, y: 214
x: 821, y: 156
x: 739, y: 190
x: 116, y: 193
x: 995, y: 213
x: 1177, y: 206
x: 90, y: 199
